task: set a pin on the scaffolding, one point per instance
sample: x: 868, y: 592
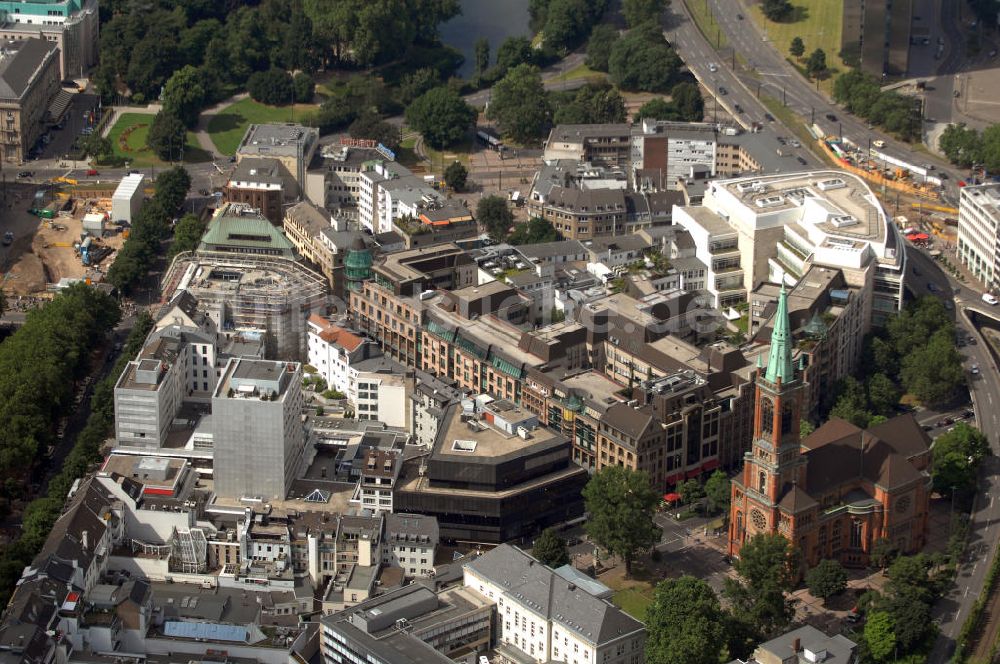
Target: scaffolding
x: 253, y: 295
x: 189, y: 551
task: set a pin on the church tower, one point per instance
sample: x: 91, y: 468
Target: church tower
x: 774, y: 462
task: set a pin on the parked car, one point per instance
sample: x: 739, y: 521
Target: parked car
x: 879, y: 143
x: 713, y: 67
x: 723, y: 91
x: 24, y: 174
x: 974, y: 369
x: 831, y: 117
x: 92, y: 172
x: 990, y: 299
x: 769, y: 117
x: 801, y: 160
x: 739, y: 109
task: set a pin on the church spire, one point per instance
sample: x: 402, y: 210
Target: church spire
x: 779, y: 362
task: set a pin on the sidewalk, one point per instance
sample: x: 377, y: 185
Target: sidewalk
x: 201, y: 129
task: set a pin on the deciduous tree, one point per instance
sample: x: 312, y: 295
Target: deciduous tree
x: 816, y: 64
x: 442, y: 116
x: 167, y: 134
x: 718, y: 492
x: 550, y: 549
x: 602, y: 39
x: 643, y: 61
x: 456, y: 175
x: 826, y: 579
x: 766, y: 572
x: 494, y: 215
x: 621, y: 504
x: 637, y: 12
x: 184, y: 94
x: 519, y: 104
x: 685, y: 623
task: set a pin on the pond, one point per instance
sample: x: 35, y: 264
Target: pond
x: 494, y: 19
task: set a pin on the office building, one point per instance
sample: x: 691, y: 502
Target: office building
x: 292, y: 146
x: 412, y: 625
x: 840, y: 490
x: 388, y: 306
x: 773, y: 228
x: 70, y: 25
x: 247, y: 277
x: 978, y: 234
x: 175, y: 363
x: 257, y: 429
x: 543, y: 617
x: 29, y: 80
x: 493, y: 475
x: 876, y: 35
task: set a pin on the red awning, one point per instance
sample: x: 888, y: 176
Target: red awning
x: 672, y: 497
x: 918, y: 237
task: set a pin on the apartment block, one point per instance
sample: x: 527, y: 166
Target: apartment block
x: 411, y: 543
x: 258, y: 183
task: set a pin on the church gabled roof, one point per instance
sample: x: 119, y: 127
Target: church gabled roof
x: 795, y: 500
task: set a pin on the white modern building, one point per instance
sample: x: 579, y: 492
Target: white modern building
x: 381, y: 389
x: 542, y: 617
x: 753, y: 230
x: 331, y: 349
x: 978, y: 233
x: 388, y: 191
x: 127, y: 199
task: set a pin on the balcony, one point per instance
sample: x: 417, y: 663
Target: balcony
x: 723, y: 248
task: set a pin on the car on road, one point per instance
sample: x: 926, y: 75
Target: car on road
x: 769, y: 117
x: 879, y: 143
x: 739, y: 17
x: 723, y: 91
x: 801, y: 160
x: 927, y: 427
x: 990, y: 299
x: 831, y: 117
x: 24, y: 174
x: 916, y: 272
x: 781, y: 139
x: 794, y: 143
x: 713, y: 67
x: 8, y: 238
x: 932, y: 287
x: 974, y: 369
x: 92, y: 172
x: 968, y: 414
x: 738, y: 108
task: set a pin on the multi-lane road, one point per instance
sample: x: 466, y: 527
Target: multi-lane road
x: 772, y: 74
x: 984, y: 387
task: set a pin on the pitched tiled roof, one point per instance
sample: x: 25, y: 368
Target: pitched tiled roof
x: 839, y: 452
x: 333, y: 334
x: 630, y: 421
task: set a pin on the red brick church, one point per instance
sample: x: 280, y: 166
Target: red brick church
x: 836, y: 493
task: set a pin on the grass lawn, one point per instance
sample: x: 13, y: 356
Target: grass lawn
x: 228, y: 126
x: 634, y: 601
x: 705, y: 21
x: 128, y: 139
x: 581, y: 71
x: 818, y: 23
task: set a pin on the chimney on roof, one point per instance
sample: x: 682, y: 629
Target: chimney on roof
x: 85, y: 540
x: 796, y: 645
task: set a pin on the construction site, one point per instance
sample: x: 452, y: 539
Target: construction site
x: 57, y: 233
x: 882, y: 170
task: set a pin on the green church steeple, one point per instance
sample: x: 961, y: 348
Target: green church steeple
x: 779, y: 362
